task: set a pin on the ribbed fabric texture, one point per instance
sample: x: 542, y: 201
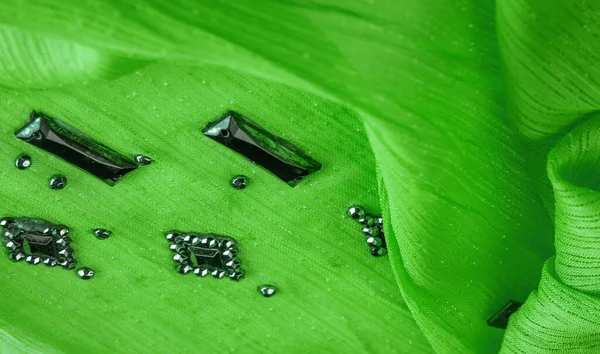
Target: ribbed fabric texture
x: 470, y: 123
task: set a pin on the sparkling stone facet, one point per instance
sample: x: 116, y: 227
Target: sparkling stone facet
x: 378, y: 251
x: 370, y: 231
x: 277, y: 155
x: 356, y: 212
x: 267, y: 290
x: 374, y: 241
x: 23, y: 162
x: 75, y: 147
x: 102, y: 234
x: 142, y: 159
x: 239, y: 182
x: 85, y: 273
x: 58, y: 182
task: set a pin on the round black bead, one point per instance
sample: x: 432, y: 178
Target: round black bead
x: 378, y: 251
x: 267, y: 290
x: 23, y: 162
x: 370, y: 231
x: 143, y: 159
x: 58, y: 182
x: 240, y: 182
x: 374, y: 241
x: 85, y: 273
x: 102, y: 234
x: 368, y: 220
x: 356, y: 212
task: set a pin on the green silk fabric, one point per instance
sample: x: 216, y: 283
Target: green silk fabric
x: 470, y: 124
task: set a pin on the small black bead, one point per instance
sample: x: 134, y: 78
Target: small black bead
x: 143, y: 160
x: 267, y: 290
x: 102, y: 234
x: 378, y: 251
x: 184, y: 268
x: 240, y: 182
x: 23, y: 162
x: 236, y: 275
x: 33, y: 259
x: 58, y: 182
x: 16, y: 256
x: 367, y: 220
x: 370, y: 231
x: 85, y: 273
x: 171, y: 236
x: 356, y: 212
x: 374, y: 241
x: 201, y: 271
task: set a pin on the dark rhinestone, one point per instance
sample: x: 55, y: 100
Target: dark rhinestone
x: 177, y: 248
x: 23, y: 162
x: 102, y: 234
x: 267, y: 290
x: 142, y: 159
x: 61, y: 230
x: 500, y: 318
x: 233, y: 264
x: 65, y: 252
x: 179, y: 258
x: 8, y: 235
x: 12, y: 245
x: 184, y: 268
x: 201, y: 271
x: 227, y: 244
x: 277, y: 155
x: 356, y: 212
x: 367, y: 220
x: 208, y: 242
x: 378, y: 251
x: 68, y: 263
x: 239, y: 182
x: 374, y: 241
x: 63, y: 242
x: 379, y: 221
x: 370, y: 231
x: 16, y: 256
x: 50, y: 262
x: 218, y: 273
x: 75, y: 147
x: 85, y: 273
x: 236, y: 275
x: 190, y: 239
x: 6, y: 222
x: 208, y: 256
x: 33, y: 259
x: 171, y: 236
x: 58, y: 182
x: 229, y: 254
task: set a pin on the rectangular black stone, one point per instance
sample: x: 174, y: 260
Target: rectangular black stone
x: 500, y: 318
x: 75, y: 147
x: 208, y: 257
x: 277, y: 155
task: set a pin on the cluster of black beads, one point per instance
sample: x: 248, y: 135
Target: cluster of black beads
x: 37, y: 241
x: 205, y: 254
x: 372, y: 227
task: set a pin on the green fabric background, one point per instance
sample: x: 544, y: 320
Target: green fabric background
x: 470, y: 124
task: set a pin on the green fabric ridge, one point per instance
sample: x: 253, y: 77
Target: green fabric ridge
x: 461, y: 103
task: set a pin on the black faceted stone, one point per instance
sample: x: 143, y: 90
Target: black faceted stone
x: 239, y: 182
x: 267, y: 290
x: 75, y: 147
x: 102, y: 234
x: 142, y: 159
x: 500, y: 318
x: 58, y: 182
x: 277, y: 155
x: 356, y: 212
x: 370, y: 231
x: 85, y: 273
x: 374, y: 241
x: 37, y: 241
x: 236, y: 275
x: 205, y: 254
x: 378, y: 251
x: 367, y: 220
x: 23, y: 162
x: 184, y: 268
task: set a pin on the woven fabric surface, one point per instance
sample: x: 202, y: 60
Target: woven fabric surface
x: 469, y: 124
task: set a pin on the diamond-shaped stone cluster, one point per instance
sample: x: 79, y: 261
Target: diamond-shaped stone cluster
x: 37, y: 241
x: 204, y: 254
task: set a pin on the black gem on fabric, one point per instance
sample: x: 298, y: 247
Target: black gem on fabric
x: 267, y: 290
x: 23, y: 162
x: 75, y: 147
x: 239, y: 182
x: 378, y: 251
x: 58, y: 182
x: 356, y: 212
x: 85, y: 273
x: 277, y: 155
x: 500, y: 318
x: 37, y: 241
x: 102, y: 234
x: 143, y: 160
x: 205, y: 254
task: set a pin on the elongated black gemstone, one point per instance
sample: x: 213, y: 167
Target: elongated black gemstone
x: 75, y: 147
x: 277, y: 155
x: 500, y: 318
